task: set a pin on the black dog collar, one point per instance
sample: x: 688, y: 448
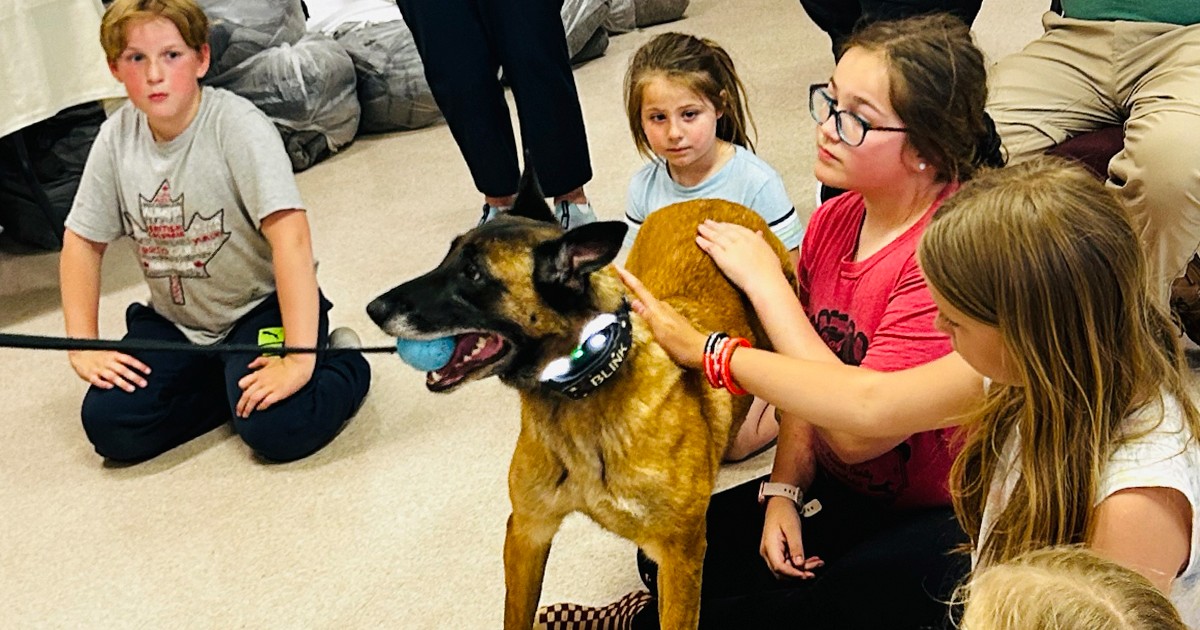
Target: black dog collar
x: 603, y: 346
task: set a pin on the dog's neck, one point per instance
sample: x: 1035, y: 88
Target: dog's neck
x: 604, y: 346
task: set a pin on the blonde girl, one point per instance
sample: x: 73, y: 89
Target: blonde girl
x: 1088, y: 431
x: 688, y: 114
x: 1064, y: 588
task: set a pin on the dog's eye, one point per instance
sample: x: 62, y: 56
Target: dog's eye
x: 471, y: 271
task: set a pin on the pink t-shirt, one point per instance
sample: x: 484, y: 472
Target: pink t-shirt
x: 877, y: 313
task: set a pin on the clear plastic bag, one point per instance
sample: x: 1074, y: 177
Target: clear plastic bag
x: 392, y: 89
x: 240, y: 29
x: 583, y: 21
x: 307, y: 89
x: 649, y: 12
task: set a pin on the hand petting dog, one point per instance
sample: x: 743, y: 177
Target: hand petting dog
x: 671, y: 330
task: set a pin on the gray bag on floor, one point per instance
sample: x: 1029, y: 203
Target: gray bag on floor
x: 621, y: 17
x: 583, y: 21
x: 240, y: 29
x: 650, y: 12
x: 391, y: 79
x: 308, y: 90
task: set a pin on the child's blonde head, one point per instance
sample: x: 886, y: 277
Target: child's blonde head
x: 938, y: 86
x: 1043, y: 252
x: 1064, y: 588
x: 698, y: 64
x: 186, y: 15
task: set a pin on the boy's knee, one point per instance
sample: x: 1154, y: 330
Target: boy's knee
x: 113, y: 439
x: 275, y: 439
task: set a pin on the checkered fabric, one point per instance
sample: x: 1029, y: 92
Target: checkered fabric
x: 615, y: 616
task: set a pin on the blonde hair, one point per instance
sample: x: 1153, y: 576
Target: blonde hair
x: 186, y: 15
x: 938, y: 86
x: 1064, y: 588
x: 1045, y: 254
x: 698, y: 64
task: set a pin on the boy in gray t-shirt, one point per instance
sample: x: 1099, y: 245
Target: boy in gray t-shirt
x: 199, y: 179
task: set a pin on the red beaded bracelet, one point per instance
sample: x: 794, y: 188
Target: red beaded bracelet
x: 727, y: 356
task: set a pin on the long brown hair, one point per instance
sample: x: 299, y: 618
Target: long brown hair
x: 938, y: 87
x: 1048, y: 256
x: 704, y: 68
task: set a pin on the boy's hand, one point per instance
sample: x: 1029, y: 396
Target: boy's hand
x: 743, y: 255
x: 273, y: 379
x: 108, y: 368
x: 671, y: 330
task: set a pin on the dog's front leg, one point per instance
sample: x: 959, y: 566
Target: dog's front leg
x: 679, y: 581
x: 526, y: 547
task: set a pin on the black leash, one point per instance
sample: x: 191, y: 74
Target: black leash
x: 36, y: 342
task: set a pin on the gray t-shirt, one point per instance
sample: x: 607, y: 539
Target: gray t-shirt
x: 194, y: 207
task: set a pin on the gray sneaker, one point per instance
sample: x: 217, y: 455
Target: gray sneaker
x: 344, y: 337
x: 491, y: 212
x: 573, y: 215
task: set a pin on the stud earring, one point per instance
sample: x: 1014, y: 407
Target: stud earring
x: 920, y: 166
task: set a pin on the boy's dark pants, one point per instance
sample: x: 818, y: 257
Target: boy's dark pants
x: 189, y: 394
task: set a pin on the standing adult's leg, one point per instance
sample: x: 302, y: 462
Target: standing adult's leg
x: 462, y: 70
x: 1156, y: 174
x: 532, y: 46
x: 306, y: 421
x: 1055, y: 88
x: 181, y: 401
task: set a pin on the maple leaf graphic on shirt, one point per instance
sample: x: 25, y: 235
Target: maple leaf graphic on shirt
x: 170, y: 246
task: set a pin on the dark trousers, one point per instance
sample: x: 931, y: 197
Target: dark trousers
x: 463, y: 44
x: 883, y: 568
x: 189, y: 394
x: 839, y: 17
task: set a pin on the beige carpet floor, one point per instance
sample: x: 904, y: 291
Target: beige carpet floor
x: 400, y: 522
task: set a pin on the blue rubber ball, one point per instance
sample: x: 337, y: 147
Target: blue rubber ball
x: 426, y: 355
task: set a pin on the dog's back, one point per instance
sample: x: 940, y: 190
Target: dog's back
x: 666, y: 243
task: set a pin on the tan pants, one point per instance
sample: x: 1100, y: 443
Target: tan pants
x: 1082, y: 75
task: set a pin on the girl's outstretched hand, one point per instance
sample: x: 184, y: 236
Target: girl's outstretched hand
x: 673, y: 332
x: 742, y: 254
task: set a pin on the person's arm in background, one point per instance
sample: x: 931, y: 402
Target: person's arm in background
x: 782, y: 543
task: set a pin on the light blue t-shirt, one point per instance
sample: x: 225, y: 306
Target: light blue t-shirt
x: 744, y: 179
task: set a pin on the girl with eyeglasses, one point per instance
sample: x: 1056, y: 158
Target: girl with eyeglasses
x: 900, y: 124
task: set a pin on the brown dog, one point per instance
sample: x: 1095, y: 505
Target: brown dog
x: 623, y: 434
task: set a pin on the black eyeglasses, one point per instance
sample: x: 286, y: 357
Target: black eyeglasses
x: 851, y: 127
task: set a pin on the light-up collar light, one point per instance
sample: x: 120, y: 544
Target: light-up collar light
x: 603, y: 345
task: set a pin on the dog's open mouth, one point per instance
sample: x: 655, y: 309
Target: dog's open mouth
x: 473, y: 351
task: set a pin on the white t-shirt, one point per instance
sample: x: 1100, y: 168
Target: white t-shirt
x: 1167, y: 457
x: 745, y: 179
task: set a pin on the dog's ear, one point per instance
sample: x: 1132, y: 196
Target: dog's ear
x: 562, y: 266
x: 531, y: 202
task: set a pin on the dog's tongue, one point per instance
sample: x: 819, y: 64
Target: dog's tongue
x: 471, y: 351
